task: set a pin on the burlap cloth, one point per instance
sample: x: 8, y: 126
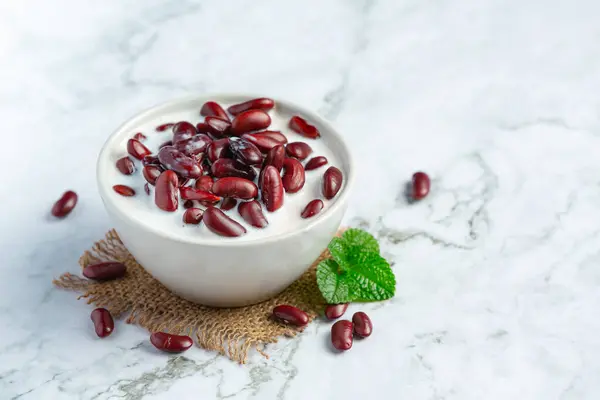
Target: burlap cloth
x: 146, y: 302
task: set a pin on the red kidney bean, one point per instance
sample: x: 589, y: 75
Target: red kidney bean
x: 225, y: 167
x: 166, y: 191
x: 175, y: 160
x: 363, y: 326
x: 164, y: 127
x: 125, y: 166
x: 139, y: 136
x: 165, y: 144
x: 103, y: 322
x: 124, y: 190
x: 183, y: 130
x: 192, y: 216
x: 275, y: 157
x: 245, y: 152
x: 212, y: 109
x: 420, y: 185
x: 202, y: 127
x: 171, y: 343
x: 137, y: 149
x: 299, y: 150
x: 293, y: 175
x: 221, y: 224
x: 150, y: 160
x: 332, y: 182
x: 271, y: 188
x: 299, y: 125
x: 65, y: 204
x: 104, y: 271
x: 239, y: 188
x: 151, y: 173
x: 341, y: 335
x: 334, y: 311
x: 189, y: 193
x: 204, y: 183
x: 251, y: 120
x: 228, y: 203
x: 252, y: 213
x: 262, y: 103
x: 217, y: 149
x: 312, y: 208
x: 290, y: 315
x: 188, y: 204
x: 183, y: 181
x: 147, y: 188
x: 217, y: 126
x: 195, y: 146
x: 265, y: 140
x: 315, y: 162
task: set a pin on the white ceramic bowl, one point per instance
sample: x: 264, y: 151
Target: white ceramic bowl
x: 225, y: 272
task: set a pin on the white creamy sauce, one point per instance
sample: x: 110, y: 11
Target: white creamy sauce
x: 286, y: 219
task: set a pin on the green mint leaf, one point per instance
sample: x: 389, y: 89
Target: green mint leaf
x: 373, y: 278
x: 359, y: 238
x: 367, y: 278
x: 354, y: 241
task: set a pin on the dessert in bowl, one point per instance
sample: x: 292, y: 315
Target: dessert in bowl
x: 225, y: 199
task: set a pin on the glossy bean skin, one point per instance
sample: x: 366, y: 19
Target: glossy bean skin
x: 151, y: 173
x: 275, y: 157
x: 194, y: 146
x: 103, y: 322
x: 251, y: 212
x: 228, y: 203
x: 271, y: 188
x: 189, y: 193
x: 136, y: 149
x: 300, y: 126
x: 166, y: 193
x: 183, y: 131
x: 332, y: 182
x: 298, y: 150
x: 164, y: 127
x: 218, y: 127
x: 171, y: 343
x: 63, y: 206
x: 226, y: 167
x: 250, y: 120
x: 104, y: 271
x: 245, y: 152
x: 205, y: 183
x: 238, y: 188
x: 192, y: 216
x: 293, y: 175
x: 221, y: 224
x: 125, y: 166
x: 213, y: 109
x: 262, y: 103
x: 420, y: 185
x: 265, y: 140
x: 341, y: 335
x: 363, y: 326
x: 290, y: 315
x: 334, y: 311
x: 124, y: 190
x: 315, y: 162
x: 175, y: 160
x: 312, y: 208
x: 217, y: 149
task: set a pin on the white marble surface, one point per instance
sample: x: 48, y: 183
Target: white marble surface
x: 498, y: 270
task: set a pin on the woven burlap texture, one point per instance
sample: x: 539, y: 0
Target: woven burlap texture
x: 144, y: 301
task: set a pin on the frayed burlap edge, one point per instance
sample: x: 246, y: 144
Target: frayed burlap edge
x: 144, y: 301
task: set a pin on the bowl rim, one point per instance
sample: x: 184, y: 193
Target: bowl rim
x: 308, y: 114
